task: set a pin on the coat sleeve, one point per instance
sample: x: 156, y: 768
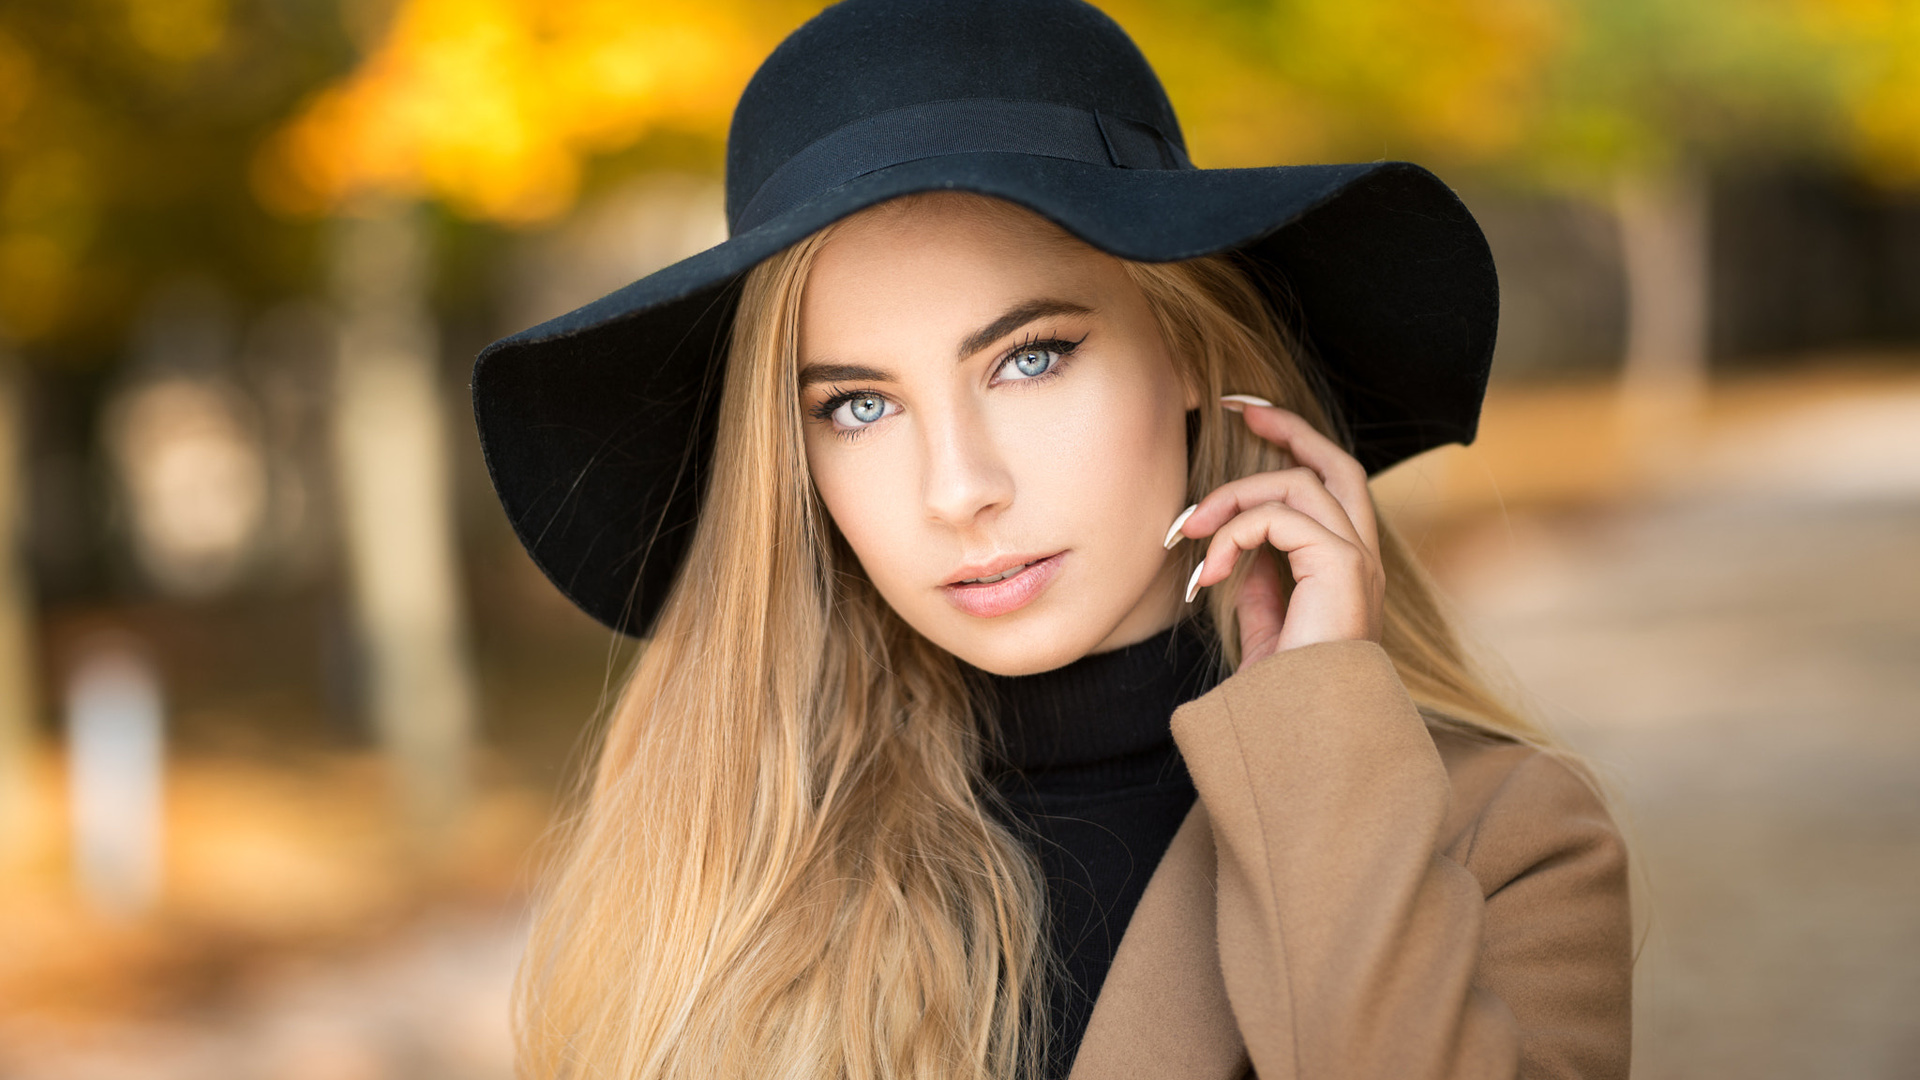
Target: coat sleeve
x: 1350, y: 944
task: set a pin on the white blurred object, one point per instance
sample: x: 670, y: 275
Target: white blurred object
x: 195, y: 478
x: 1664, y: 223
x: 115, y: 719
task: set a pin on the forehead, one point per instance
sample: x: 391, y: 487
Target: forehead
x: 936, y: 262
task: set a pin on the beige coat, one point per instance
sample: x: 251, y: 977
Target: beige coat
x: 1358, y: 895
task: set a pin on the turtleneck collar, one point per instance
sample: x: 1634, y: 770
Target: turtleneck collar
x: 1100, y: 708
x: 1087, y: 774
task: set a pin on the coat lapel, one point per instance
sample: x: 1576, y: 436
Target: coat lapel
x: 1163, y: 1011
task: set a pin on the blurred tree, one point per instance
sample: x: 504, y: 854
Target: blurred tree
x: 17, y: 654
x: 1260, y: 82
x: 125, y: 131
x: 495, y: 109
x: 1879, y: 79
x: 390, y: 449
x: 1645, y: 102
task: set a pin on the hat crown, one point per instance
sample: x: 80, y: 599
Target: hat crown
x: 860, y: 58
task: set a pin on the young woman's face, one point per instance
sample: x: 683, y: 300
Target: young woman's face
x: 984, y: 396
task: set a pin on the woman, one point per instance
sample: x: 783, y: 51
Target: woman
x: 934, y: 765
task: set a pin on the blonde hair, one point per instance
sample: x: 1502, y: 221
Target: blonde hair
x: 785, y: 866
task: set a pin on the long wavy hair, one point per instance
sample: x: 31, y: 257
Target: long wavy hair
x: 784, y: 865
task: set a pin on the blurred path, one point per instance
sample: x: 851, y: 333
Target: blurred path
x: 429, y: 1004
x: 1743, y: 661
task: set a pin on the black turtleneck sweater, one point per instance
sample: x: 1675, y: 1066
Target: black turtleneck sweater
x: 1093, y: 784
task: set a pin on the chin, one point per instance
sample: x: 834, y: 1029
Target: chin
x: 1010, y: 645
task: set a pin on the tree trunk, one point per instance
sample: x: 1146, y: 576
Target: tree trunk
x: 17, y: 699
x: 390, y: 446
x: 1663, y: 242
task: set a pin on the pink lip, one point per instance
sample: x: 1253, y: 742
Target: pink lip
x: 1008, y: 594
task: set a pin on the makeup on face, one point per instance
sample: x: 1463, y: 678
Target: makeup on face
x: 995, y: 427
x: 852, y: 398
x: 1005, y: 590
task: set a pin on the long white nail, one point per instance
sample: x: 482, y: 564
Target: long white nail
x: 1243, y: 400
x: 1193, y: 583
x: 1174, y: 533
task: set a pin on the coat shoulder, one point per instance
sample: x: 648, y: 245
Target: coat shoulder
x: 1533, y: 830
x: 1512, y: 804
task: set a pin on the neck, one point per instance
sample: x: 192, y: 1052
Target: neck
x: 1101, y: 707
x: 1161, y: 606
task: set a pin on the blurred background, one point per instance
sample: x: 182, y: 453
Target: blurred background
x: 285, y: 711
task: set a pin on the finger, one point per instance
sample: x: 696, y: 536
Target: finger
x: 1343, y: 474
x: 1282, y: 527
x: 1260, y: 607
x: 1300, y: 488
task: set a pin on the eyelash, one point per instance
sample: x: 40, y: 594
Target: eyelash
x: 1053, y: 345
x: 837, y: 397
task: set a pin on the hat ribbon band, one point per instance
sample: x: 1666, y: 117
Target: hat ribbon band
x: 964, y: 126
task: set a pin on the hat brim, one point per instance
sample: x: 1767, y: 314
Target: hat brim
x: 597, y: 426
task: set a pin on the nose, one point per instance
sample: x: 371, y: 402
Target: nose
x: 967, y: 476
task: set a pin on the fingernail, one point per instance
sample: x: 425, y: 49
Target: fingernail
x: 1193, y: 583
x: 1231, y: 400
x: 1174, y: 533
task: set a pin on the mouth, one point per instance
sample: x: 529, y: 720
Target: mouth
x: 1001, y: 576
x: 1000, y: 588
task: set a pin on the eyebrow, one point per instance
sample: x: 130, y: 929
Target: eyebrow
x: 819, y: 373
x: 1013, y: 319
x: 1016, y: 317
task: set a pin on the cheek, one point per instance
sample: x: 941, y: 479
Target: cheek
x: 871, y: 499
x: 1113, y: 453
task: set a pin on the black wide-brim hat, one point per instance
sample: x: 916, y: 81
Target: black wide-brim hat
x: 598, y: 426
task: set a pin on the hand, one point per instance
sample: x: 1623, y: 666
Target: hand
x: 1320, y: 513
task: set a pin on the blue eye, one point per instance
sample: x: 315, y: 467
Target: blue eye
x: 859, y: 410
x: 1032, y: 362
x: 1035, y: 358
